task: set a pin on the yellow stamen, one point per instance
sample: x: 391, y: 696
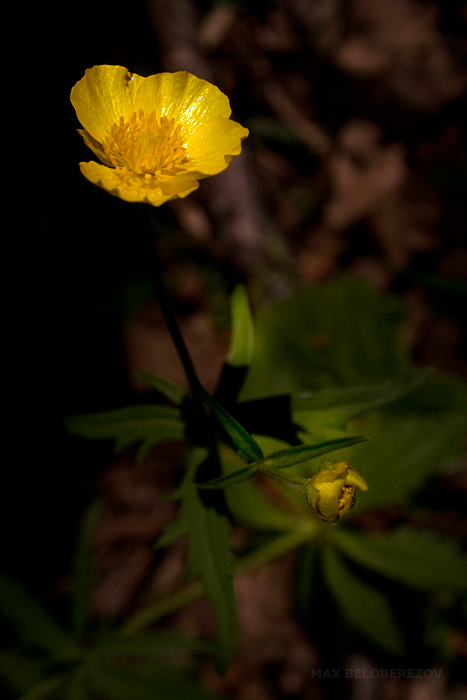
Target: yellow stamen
x: 145, y: 145
x: 346, y: 496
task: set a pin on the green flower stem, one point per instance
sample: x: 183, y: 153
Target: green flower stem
x: 305, y: 530
x: 174, y: 330
x: 166, y: 309
x: 283, y: 476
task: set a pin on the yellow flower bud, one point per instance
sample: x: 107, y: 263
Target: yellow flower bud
x: 332, y: 492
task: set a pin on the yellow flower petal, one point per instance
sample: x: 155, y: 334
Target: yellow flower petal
x: 213, y: 145
x: 191, y: 101
x: 156, y: 136
x: 135, y: 188
x: 331, y: 492
x: 102, y: 96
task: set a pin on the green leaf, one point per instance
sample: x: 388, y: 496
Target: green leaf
x: 83, y: 573
x: 21, y: 672
x: 421, y: 560
x: 31, y: 623
x: 336, y: 406
x: 344, y: 333
x: 244, y: 443
x: 249, y: 505
x: 242, y: 340
x: 45, y: 689
x: 150, y: 424
x: 302, y: 453
x: 172, y: 391
x: 120, y: 684
x: 148, y: 645
x: 408, y: 444
x: 365, y: 608
x: 210, y: 556
x: 75, y: 688
x: 237, y: 477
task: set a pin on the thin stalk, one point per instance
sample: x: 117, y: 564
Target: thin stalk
x: 167, y: 313
x: 174, y: 330
x: 283, y: 476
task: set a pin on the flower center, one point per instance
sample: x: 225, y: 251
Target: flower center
x: 346, y: 496
x: 146, y: 145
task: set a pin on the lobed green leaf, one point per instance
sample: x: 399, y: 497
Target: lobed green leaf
x: 365, y: 608
x: 210, y: 556
x: 421, y: 560
x: 150, y: 424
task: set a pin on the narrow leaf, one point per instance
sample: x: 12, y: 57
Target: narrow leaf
x: 244, y: 443
x: 82, y: 574
x: 45, y: 689
x: 242, y: 340
x: 152, y: 644
x: 342, y: 404
x: 172, y: 391
x: 229, y: 479
x: 31, y: 622
x: 302, y: 453
x: 366, y: 608
x: 21, y: 672
x: 421, y: 560
x: 75, y: 688
x: 150, y: 424
x: 123, y: 685
x: 210, y: 556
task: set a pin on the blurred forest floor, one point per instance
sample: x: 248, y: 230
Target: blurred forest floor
x: 356, y: 162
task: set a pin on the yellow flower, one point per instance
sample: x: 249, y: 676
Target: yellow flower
x: 332, y: 491
x: 155, y: 136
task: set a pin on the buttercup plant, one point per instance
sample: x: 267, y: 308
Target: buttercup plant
x: 280, y: 404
